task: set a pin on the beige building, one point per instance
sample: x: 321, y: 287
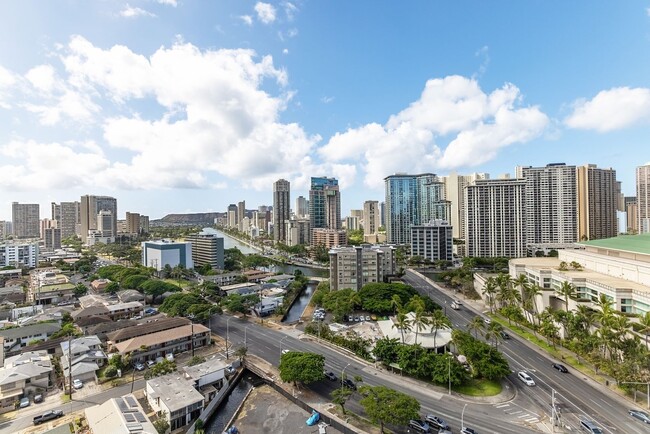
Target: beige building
x: 598, y: 197
x: 353, y: 267
x: 643, y: 197
x: 371, y: 217
x: 132, y: 223
x: 329, y: 237
x: 455, y: 192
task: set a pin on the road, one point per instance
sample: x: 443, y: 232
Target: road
x: 579, y: 396
x: 268, y: 344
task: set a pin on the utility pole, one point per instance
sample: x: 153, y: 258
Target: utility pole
x: 70, y: 365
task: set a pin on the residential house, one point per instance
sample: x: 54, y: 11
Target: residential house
x: 18, y: 337
x: 99, y: 284
x: 176, y: 397
x: 207, y: 377
x: 125, y: 333
x: 101, y: 329
x: 159, y: 344
x: 86, y: 357
x: 129, y: 295
x: 24, y: 375
x: 122, y: 415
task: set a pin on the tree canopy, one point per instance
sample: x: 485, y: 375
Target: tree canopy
x: 189, y: 305
x: 378, y: 297
x: 384, y: 405
x: 301, y: 367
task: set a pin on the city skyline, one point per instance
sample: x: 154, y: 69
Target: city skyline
x: 173, y: 106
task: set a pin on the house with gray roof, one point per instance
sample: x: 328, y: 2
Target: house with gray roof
x: 18, y: 337
x: 86, y: 356
x: 24, y: 375
x: 176, y: 397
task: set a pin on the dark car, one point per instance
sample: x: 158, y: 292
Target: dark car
x: 419, y: 425
x: 330, y: 375
x: 349, y: 384
x: 560, y: 367
x: 436, y: 422
x: 641, y: 415
x: 48, y: 416
x: 467, y: 430
x: 504, y: 335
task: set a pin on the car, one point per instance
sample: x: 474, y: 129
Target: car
x: 590, y: 426
x: 367, y: 317
x: 77, y: 383
x: 456, y: 304
x: 444, y: 431
x: 641, y: 415
x: 160, y: 359
x: 504, y: 335
x: 24, y: 402
x: 526, y: 378
x: 349, y: 384
x: 419, y: 425
x: 47, y: 416
x: 137, y: 317
x: 560, y: 367
x: 330, y: 375
x: 487, y: 321
x: 467, y: 430
x: 138, y: 366
x: 38, y: 398
x: 150, y: 363
x: 285, y: 351
x: 170, y: 357
x: 436, y: 422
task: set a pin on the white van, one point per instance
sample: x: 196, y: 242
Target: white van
x: 456, y: 304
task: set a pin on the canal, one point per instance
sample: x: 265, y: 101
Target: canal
x: 230, y: 404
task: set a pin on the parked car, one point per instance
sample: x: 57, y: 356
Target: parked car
x: 150, y: 363
x: 349, y: 384
x: 487, y: 321
x: 330, y: 375
x: 47, y: 416
x: 419, y: 425
x: 24, y: 402
x: 526, y: 378
x: 436, y: 422
x: 138, y: 366
x: 367, y: 317
x: 641, y: 415
x: 38, y: 398
x: 170, y: 357
x: 444, y: 431
x: 77, y: 383
x: 560, y: 367
x: 466, y: 430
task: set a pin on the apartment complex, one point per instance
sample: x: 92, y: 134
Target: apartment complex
x: 302, y: 207
x: 643, y: 198
x: 157, y: 254
x: 454, y: 192
x: 90, y: 207
x: 432, y: 241
x: 597, y: 194
x: 68, y: 218
x: 19, y: 254
x: 412, y: 200
x: 207, y: 248
x: 281, y: 209
x: 329, y: 237
x: 298, y: 231
x: 25, y: 218
x: 371, y: 217
x: 324, y: 204
x: 354, y: 267
x: 495, y: 223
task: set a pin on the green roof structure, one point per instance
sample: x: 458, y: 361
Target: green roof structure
x: 629, y: 243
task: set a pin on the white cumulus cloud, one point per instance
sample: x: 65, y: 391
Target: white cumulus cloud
x: 611, y: 109
x: 265, y: 12
x: 247, y: 19
x: 134, y: 12
x: 453, y: 124
x: 173, y: 3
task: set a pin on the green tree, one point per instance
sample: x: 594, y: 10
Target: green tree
x: 80, y: 289
x: 644, y: 321
x: 567, y: 290
x: 161, y: 424
x: 402, y: 323
x: 387, y: 350
x: 241, y: 353
x: 476, y: 325
x: 301, y: 367
x: 438, y: 320
x: 340, y: 396
x: 384, y: 405
x: 112, y: 287
x: 195, y: 360
x: 420, y: 320
x: 493, y: 333
x: 490, y: 290
x: 161, y: 368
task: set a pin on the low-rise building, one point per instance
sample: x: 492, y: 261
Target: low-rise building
x: 130, y: 295
x: 123, y: 415
x: 158, y: 254
x: 329, y: 237
x: 86, y: 356
x: 207, y: 377
x: 176, y: 398
x: 159, y: 344
x: 23, y: 375
x: 18, y: 337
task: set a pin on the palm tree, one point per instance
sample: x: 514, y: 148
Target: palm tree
x: 437, y: 321
x: 493, y: 333
x: 402, y: 322
x: 522, y: 282
x: 396, y: 303
x: 645, y: 326
x: 567, y: 289
x: 476, y: 325
x: 420, y: 321
x: 504, y: 286
x: 532, y: 291
x: 489, y: 290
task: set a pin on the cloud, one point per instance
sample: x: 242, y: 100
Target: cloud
x: 484, y: 54
x: 134, y: 12
x: 265, y: 12
x: 247, y: 19
x: 42, y: 78
x: 611, y: 109
x: 285, y: 51
x: 454, y: 109
x: 7, y: 82
x: 327, y: 99
x: 173, y: 3
x: 290, y: 10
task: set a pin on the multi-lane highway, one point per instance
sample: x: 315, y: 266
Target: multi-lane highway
x: 579, y: 396
x: 268, y: 344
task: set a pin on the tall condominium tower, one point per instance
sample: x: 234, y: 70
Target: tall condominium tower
x: 26, y: 220
x: 302, y: 207
x: 231, y: 215
x: 371, y: 217
x: 551, y: 203
x: 69, y: 218
x: 132, y: 223
x: 324, y: 203
x: 241, y: 210
x: 632, y: 212
x: 495, y: 220
x: 598, y: 198
x: 90, y: 208
x: 642, y: 197
x: 412, y: 200
x: 454, y: 192
x: 56, y: 211
x: 281, y: 209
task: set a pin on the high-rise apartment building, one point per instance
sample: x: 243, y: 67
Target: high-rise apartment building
x: 25, y: 218
x: 598, y: 197
x: 382, y: 214
x: 324, y: 203
x: 454, y: 193
x: 69, y: 218
x: 45, y: 224
x: 352, y: 223
x: 302, y: 207
x: 56, y: 211
x: 207, y: 248
x: 241, y: 211
x: 281, y: 209
x: 642, y: 198
x: 90, y: 208
x: 298, y: 231
x: 144, y: 223
x: 495, y: 223
x: 551, y: 203
x: 329, y: 237
x: 432, y: 241
x: 132, y: 223
x: 232, y: 215
x: 52, y: 237
x: 371, y: 217
x: 412, y: 200
x: 632, y: 214
x: 354, y: 267
x: 106, y: 224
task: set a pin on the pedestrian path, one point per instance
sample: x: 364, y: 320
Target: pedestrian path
x: 517, y: 413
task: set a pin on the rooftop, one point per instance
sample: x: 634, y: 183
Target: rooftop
x: 146, y: 328
x: 30, y: 330
x: 122, y: 415
x: 174, y: 391
x: 207, y: 367
x: 160, y: 337
x: 629, y: 243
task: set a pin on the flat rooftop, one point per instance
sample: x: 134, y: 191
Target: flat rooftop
x: 629, y: 243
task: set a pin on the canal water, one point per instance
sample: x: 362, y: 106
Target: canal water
x: 298, y: 306
x: 230, y: 404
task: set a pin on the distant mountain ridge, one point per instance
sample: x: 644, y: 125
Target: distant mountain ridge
x: 189, y: 219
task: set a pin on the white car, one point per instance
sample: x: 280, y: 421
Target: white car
x: 77, y: 383
x: 170, y: 357
x: 527, y: 379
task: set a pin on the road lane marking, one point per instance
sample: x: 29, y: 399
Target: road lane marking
x: 502, y: 405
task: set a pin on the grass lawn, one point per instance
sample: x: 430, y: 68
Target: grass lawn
x: 479, y: 388
x: 184, y: 283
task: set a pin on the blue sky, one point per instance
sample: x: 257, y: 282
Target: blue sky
x: 187, y: 106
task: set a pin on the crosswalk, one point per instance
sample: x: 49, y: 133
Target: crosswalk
x: 518, y: 413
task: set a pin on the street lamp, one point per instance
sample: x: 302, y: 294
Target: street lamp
x: 343, y: 372
x: 227, y: 334
x: 462, y: 415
